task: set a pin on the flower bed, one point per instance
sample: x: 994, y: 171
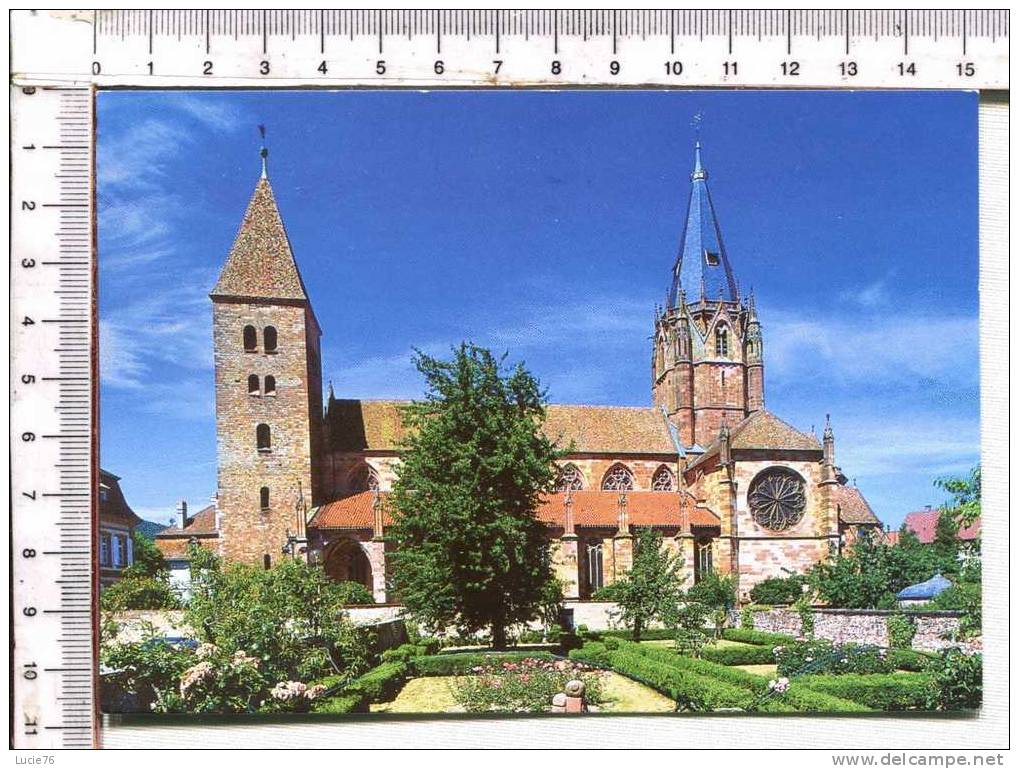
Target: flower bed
x: 522, y: 686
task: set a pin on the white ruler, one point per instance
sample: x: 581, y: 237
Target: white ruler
x: 52, y: 386
x: 679, y: 48
x: 58, y: 57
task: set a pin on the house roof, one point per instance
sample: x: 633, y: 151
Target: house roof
x: 590, y: 509
x: 702, y: 267
x: 261, y: 262
x: 356, y: 425
x: 114, y: 508
x: 924, y: 524
x: 202, y: 523
x: 853, y: 508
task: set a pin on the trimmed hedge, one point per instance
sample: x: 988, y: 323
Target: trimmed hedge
x: 907, y: 659
x: 739, y: 655
x: 340, y: 704
x: 652, y: 634
x: 888, y: 691
x: 756, y: 637
x: 459, y: 664
x: 380, y: 684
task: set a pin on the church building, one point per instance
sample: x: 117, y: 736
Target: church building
x: 728, y: 484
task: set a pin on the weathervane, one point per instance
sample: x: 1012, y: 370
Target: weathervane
x: 264, y: 152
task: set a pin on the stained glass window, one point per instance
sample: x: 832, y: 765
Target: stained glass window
x: 777, y: 498
x: 618, y: 478
x: 663, y: 480
x: 570, y: 478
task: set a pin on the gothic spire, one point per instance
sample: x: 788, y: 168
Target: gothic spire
x: 702, y: 261
x: 264, y: 152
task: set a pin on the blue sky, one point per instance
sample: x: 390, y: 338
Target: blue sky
x: 546, y: 224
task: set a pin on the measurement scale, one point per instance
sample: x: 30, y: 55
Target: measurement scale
x: 60, y: 57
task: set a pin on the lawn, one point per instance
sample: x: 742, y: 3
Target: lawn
x: 433, y: 694
x: 721, y: 643
x: 761, y: 670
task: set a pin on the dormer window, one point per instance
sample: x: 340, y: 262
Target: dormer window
x: 711, y: 258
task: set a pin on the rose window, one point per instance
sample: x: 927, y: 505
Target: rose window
x: 777, y: 499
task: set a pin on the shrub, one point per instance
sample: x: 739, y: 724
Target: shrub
x: 341, y: 704
x: 957, y: 681
x: 758, y: 637
x: 654, y: 634
x: 783, y: 590
x: 714, y: 591
x: 901, y: 630
x: 379, y: 684
x: 963, y: 597
x: 690, y: 635
x: 524, y: 686
x: 605, y: 593
x: 898, y: 691
x: 593, y: 653
x: 746, y: 618
x: 150, y: 670
x: 811, y: 701
x: 907, y: 659
x: 461, y: 664
x: 739, y: 655
x: 139, y: 591
x: 806, y: 612
x: 820, y: 656
x: 353, y: 593
x: 530, y: 637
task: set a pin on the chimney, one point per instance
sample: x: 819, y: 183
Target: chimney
x: 182, y: 514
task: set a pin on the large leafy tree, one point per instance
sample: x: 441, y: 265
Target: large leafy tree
x: 651, y: 590
x: 469, y: 550
x: 964, y: 506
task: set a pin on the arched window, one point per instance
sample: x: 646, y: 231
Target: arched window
x: 263, y: 440
x: 250, y: 339
x: 663, y: 480
x: 595, y: 571
x: 363, y: 478
x: 618, y: 478
x: 253, y: 388
x: 269, y: 338
x: 263, y: 497
x: 570, y: 479
x: 722, y: 342
x: 270, y: 385
x: 703, y: 564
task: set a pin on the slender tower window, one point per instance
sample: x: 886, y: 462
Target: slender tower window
x: 263, y: 497
x: 722, y: 342
x: 253, y: 388
x: 269, y: 338
x: 262, y: 438
x: 270, y: 385
x: 267, y: 562
x: 250, y: 339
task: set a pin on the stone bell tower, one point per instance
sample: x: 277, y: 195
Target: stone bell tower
x: 708, y: 351
x: 268, y: 390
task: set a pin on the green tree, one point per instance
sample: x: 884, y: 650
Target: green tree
x: 965, y: 503
x: 290, y: 617
x: 651, y: 590
x: 139, y: 592
x: 148, y: 559
x: 470, y: 551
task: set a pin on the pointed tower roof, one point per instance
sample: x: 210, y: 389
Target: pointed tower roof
x: 702, y: 266
x: 261, y: 263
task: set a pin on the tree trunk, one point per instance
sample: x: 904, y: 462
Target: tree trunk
x: 498, y: 635
x: 638, y: 627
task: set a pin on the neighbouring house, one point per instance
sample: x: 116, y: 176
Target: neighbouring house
x: 923, y: 592
x: 924, y: 524
x: 202, y: 529
x: 117, y: 523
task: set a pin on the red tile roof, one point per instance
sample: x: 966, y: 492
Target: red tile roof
x: 202, y: 523
x: 763, y: 430
x: 852, y: 507
x: 590, y: 509
x: 356, y: 425
x: 924, y: 524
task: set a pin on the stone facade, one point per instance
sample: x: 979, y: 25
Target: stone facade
x: 309, y: 482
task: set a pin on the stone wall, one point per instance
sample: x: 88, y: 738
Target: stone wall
x: 867, y: 626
